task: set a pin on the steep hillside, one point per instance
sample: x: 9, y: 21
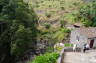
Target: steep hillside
x: 52, y: 11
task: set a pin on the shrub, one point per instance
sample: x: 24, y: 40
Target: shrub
x: 66, y: 30
x: 63, y: 23
x: 46, y: 58
x: 48, y: 14
x: 62, y: 8
x: 47, y: 26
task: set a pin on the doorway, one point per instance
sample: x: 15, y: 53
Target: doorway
x: 91, y: 43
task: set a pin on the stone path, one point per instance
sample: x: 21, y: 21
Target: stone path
x: 80, y: 57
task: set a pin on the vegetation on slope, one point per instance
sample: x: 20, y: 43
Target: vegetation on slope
x: 87, y: 14
x: 51, y: 11
x: 21, y: 30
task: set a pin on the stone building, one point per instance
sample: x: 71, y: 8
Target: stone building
x: 81, y: 36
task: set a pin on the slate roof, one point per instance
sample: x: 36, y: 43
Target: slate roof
x: 88, y: 32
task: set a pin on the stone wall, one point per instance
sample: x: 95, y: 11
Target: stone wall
x: 61, y: 57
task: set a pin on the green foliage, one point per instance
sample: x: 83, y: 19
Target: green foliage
x: 62, y: 22
x: 70, y: 17
x: 62, y: 8
x: 87, y: 14
x: 58, y: 48
x: 47, y: 26
x: 23, y: 39
x: 25, y: 31
x: 86, y: 22
x: 52, y: 10
x: 46, y: 58
x: 22, y: 23
x: 61, y: 34
x: 68, y: 45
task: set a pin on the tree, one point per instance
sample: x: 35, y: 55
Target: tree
x: 23, y: 39
x: 22, y: 31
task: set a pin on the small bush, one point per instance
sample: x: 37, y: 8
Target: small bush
x: 48, y: 15
x: 62, y: 8
x: 47, y: 26
x: 63, y: 23
x: 46, y: 58
x: 67, y: 30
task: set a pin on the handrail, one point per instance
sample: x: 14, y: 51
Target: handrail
x: 61, y: 57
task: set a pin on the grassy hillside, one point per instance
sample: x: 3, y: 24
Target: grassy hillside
x: 52, y: 11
